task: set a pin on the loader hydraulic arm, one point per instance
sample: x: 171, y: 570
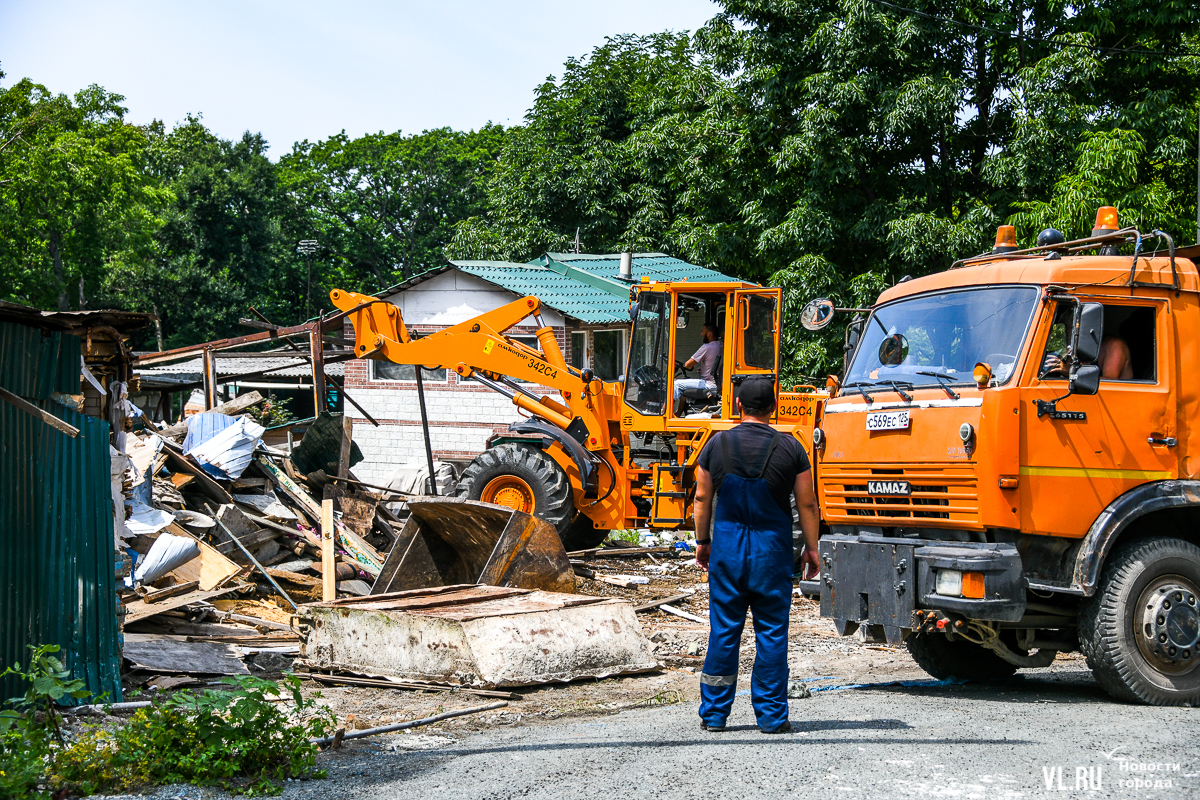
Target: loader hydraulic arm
x: 478, y: 349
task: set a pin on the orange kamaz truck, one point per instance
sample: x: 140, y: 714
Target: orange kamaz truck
x: 1006, y: 467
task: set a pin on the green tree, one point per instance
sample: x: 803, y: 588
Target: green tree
x: 75, y: 196
x: 834, y: 146
x: 383, y: 206
x: 220, y: 247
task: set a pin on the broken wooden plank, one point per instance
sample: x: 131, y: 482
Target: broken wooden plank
x: 681, y: 613
x: 139, y: 609
x: 254, y: 561
x: 170, y: 591
x: 296, y: 577
x: 168, y: 655
x: 365, y: 555
x: 675, y: 598
x: 622, y: 581
x: 328, y: 571
x: 211, y: 569
x: 42, y: 414
x: 419, y: 686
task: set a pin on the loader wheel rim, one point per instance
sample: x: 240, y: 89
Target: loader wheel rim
x: 509, y: 491
x: 1169, y: 638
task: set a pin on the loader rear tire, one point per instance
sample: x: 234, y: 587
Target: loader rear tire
x: 523, y: 478
x: 583, y: 535
x: 942, y: 658
x: 1141, y: 628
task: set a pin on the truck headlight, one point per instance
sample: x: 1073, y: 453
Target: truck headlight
x: 953, y: 583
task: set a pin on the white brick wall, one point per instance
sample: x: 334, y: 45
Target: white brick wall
x: 398, y: 440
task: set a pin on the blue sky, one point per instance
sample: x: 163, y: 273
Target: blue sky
x: 296, y: 70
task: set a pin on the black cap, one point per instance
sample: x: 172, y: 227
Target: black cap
x: 757, y: 394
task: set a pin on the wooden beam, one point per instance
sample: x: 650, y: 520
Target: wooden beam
x: 235, y: 406
x: 347, y: 442
x: 329, y: 569
x: 44, y: 416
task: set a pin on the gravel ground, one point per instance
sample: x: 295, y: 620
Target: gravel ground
x: 639, y: 736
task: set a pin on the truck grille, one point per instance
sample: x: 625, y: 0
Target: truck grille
x: 938, y: 493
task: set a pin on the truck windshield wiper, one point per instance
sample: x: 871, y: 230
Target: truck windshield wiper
x: 905, y: 396
x: 953, y: 394
x: 859, y: 385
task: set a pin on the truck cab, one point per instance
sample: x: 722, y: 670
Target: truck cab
x: 1005, y: 470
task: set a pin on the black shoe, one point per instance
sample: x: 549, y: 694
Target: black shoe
x: 786, y: 727
x: 704, y: 726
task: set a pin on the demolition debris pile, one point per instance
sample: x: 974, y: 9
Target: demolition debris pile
x: 227, y: 540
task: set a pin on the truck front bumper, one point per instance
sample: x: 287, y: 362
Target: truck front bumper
x: 867, y: 579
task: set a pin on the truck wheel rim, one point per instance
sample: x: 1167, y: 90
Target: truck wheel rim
x: 1169, y: 634
x: 509, y: 491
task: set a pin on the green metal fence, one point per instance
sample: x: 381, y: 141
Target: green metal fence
x: 57, y: 582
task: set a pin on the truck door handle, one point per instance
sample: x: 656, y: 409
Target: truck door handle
x: 1169, y: 441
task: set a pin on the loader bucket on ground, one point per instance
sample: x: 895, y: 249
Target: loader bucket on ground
x: 452, y: 540
x: 483, y: 636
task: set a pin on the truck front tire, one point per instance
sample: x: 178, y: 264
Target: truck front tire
x: 1140, y: 631
x: 944, y: 658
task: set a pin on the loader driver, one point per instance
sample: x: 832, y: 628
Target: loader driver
x: 752, y: 469
x: 708, y: 358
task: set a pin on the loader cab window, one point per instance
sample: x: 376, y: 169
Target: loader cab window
x: 1128, y: 349
x: 649, y: 355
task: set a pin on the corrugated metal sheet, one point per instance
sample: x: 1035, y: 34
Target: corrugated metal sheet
x: 57, y: 582
x: 33, y: 362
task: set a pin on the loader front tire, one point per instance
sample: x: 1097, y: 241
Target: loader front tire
x: 1140, y: 631
x: 522, y: 478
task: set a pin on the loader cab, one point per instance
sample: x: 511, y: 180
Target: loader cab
x: 679, y: 325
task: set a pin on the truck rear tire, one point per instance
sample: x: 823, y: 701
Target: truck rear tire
x: 522, y: 478
x: 942, y: 658
x: 1140, y: 631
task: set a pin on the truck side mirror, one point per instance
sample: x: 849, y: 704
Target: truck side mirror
x: 1089, y: 332
x: 1085, y: 379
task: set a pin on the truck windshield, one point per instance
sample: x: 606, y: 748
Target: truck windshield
x: 931, y: 339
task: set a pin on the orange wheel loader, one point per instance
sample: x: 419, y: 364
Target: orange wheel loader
x: 601, y: 456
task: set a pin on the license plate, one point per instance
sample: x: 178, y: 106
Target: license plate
x: 889, y: 488
x: 889, y: 420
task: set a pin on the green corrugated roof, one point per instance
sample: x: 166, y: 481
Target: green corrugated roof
x: 553, y: 279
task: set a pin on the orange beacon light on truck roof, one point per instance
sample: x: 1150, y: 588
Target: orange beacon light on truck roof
x: 1006, y: 239
x: 1107, y: 221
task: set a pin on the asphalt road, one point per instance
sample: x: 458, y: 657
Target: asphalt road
x: 1042, y: 735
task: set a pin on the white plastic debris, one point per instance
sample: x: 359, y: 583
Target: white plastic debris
x: 168, y: 552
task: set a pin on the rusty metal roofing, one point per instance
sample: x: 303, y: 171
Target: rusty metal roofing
x: 192, y: 370
x: 553, y: 279
x: 122, y: 321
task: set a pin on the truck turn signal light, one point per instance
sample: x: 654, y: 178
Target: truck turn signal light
x: 1107, y: 221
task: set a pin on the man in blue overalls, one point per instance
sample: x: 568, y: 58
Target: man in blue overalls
x: 753, y: 470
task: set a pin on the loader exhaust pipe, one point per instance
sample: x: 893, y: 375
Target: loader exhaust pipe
x: 627, y: 266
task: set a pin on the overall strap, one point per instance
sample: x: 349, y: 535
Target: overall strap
x: 723, y: 436
x: 770, y: 450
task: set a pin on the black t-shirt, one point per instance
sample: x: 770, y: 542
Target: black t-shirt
x: 749, y: 445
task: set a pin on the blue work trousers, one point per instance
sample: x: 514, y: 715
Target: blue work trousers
x: 750, y: 568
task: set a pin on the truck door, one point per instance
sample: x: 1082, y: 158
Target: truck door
x: 1121, y: 437
x: 752, y: 341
